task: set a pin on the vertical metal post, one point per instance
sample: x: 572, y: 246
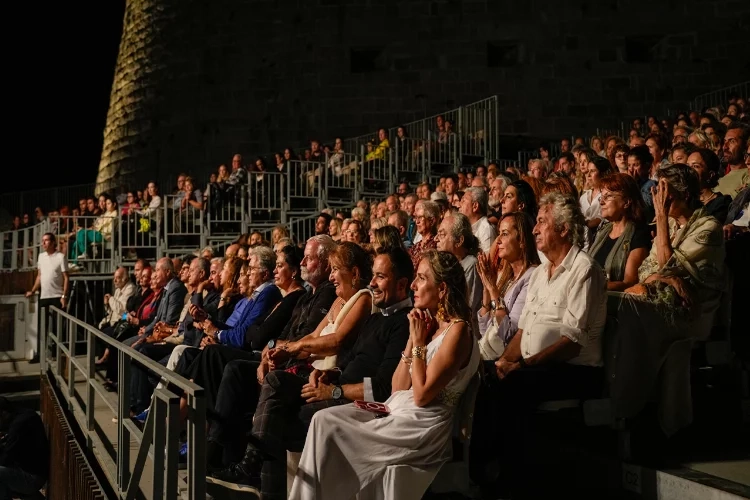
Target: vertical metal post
x: 173, y: 435
x: 159, y: 440
x: 71, y: 367
x: 123, y: 412
x: 197, y: 446
x: 41, y: 335
x: 90, y: 379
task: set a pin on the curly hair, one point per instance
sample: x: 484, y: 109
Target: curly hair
x: 447, y: 269
x: 684, y: 180
x: 566, y: 212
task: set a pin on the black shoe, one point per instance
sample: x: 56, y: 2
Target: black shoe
x: 35, y: 359
x: 237, y: 477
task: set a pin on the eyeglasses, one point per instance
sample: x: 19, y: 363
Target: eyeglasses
x: 609, y: 196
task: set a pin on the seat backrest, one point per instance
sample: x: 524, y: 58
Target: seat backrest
x: 464, y: 418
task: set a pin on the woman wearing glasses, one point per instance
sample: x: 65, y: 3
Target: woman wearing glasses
x: 623, y: 243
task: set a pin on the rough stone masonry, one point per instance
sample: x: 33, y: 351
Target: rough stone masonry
x: 197, y: 81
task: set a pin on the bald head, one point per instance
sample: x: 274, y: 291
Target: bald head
x: 121, y: 277
x: 231, y: 251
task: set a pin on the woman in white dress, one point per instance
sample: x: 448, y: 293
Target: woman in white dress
x: 352, y: 452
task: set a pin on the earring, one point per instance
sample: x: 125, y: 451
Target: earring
x: 440, y: 312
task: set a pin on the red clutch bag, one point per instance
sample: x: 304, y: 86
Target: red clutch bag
x: 379, y: 409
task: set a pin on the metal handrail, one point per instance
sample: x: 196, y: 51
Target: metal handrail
x: 160, y: 442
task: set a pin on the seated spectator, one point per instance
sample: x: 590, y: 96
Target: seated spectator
x: 455, y: 236
x: 736, y: 142
x: 706, y: 165
x: 350, y: 274
x: 207, y: 368
x: 24, y: 452
x: 681, y: 283
x: 624, y: 241
x: 363, y: 375
x: 115, y: 306
x: 348, y: 449
x: 556, y: 353
x: 474, y: 205
x: 401, y: 221
x: 681, y: 152
x: 100, y: 231
x: 639, y: 167
x: 592, y: 211
x: 427, y: 218
x: 506, y: 285
x: 386, y: 238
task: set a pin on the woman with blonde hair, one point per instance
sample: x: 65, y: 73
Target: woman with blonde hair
x: 335, y: 229
x: 385, y: 238
x: 350, y: 450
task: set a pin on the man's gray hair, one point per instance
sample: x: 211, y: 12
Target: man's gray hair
x: 358, y: 212
x: 208, y: 249
x: 478, y: 195
x: 166, y: 264
x: 461, y: 227
x: 566, y: 213
x: 504, y: 180
x: 326, y: 245
x: 266, y: 257
x: 204, y: 265
x: 431, y: 209
x: 438, y: 195
x: 218, y: 260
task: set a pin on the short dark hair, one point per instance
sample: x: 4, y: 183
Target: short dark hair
x: 400, y: 262
x: 712, y: 164
x: 643, y: 155
x: 568, y: 156
x: 326, y: 216
x: 51, y: 236
x: 293, y: 257
x: 744, y: 132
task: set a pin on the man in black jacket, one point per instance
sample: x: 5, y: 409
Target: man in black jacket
x: 24, y: 452
x: 288, y: 402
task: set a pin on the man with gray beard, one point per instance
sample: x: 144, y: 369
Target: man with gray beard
x: 497, y: 191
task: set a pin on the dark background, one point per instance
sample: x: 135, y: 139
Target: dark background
x: 61, y: 77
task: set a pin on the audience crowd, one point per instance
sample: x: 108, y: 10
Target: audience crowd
x: 494, y: 270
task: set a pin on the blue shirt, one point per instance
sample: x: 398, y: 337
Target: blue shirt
x: 263, y: 299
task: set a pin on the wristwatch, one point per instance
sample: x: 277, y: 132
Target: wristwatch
x: 496, y: 305
x: 337, y: 392
x: 272, y: 343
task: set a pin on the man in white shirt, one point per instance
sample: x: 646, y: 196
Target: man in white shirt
x: 556, y: 353
x: 115, y: 304
x: 474, y: 206
x: 51, y: 279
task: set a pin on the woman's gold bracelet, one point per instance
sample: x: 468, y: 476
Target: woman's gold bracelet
x: 418, y: 351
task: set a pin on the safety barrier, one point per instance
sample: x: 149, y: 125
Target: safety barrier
x: 721, y: 97
x: 19, y: 249
x: 25, y: 202
x: 92, y: 407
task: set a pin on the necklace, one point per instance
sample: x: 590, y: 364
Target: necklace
x: 706, y: 200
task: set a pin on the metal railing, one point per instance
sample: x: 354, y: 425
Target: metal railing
x: 159, y: 440
x: 721, y: 97
x: 24, y: 202
x: 19, y: 249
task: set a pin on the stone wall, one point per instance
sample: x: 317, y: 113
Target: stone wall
x: 197, y: 81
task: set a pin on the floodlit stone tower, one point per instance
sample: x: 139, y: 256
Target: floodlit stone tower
x: 198, y: 80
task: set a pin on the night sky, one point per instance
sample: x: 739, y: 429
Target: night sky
x: 63, y: 67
